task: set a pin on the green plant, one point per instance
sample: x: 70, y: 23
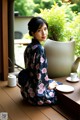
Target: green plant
x: 57, y: 18
x: 63, y: 24
x: 27, y: 36
x: 75, y: 25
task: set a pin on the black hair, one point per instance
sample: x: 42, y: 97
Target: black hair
x: 35, y: 23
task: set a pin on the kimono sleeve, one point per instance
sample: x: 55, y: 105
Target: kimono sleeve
x: 41, y: 67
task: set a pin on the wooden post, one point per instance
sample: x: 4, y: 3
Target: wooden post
x: 11, y: 35
x: 5, y: 38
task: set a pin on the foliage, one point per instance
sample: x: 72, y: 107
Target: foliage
x: 75, y: 7
x: 41, y: 4
x: 29, y: 7
x: 75, y: 1
x: 75, y: 25
x: 63, y: 24
x: 27, y: 36
x: 57, y: 18
x: 24, y: 7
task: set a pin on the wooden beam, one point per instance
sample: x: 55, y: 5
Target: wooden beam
x: 5, y: 38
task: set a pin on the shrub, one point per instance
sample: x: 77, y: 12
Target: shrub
x: 63, y: 24
x: 57, y: 19
x: 75, y: 25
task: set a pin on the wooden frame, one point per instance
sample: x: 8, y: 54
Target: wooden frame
x: 5, y: 38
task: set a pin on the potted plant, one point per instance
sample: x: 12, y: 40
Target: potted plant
x: 59, y: 49
x: 59, y: 19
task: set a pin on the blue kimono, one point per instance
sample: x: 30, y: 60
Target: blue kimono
x: 35, y: 77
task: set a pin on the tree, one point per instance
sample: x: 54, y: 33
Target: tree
x: 42, y: 4
x: 29, y: 7
x: 24, y: 7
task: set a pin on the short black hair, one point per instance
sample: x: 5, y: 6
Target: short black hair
x: 35, y: 23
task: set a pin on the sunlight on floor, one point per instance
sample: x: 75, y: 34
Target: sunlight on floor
x: 19, y: 54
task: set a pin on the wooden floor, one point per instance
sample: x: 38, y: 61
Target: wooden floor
x: 11, y: 102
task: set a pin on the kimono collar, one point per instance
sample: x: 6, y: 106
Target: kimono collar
x: 35, y: 41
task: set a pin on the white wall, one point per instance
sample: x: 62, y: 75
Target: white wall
x: 20, y: 24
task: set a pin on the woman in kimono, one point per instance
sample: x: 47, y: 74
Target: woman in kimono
x: 36, y: 87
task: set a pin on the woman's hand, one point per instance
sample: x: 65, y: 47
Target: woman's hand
x: 52, y: 85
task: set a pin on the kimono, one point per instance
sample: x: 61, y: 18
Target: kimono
x: 35, y: 78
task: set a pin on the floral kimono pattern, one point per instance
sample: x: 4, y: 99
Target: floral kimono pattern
x: 36, y: 88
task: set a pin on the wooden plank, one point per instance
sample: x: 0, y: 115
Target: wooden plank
x: 71, y: 107
x: 2, y: 110
x: 51, y: 113
x: 32, y: 111
x: 13, y: 110
x: 74, y: 96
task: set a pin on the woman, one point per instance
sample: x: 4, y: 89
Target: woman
x: 37, y: 87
